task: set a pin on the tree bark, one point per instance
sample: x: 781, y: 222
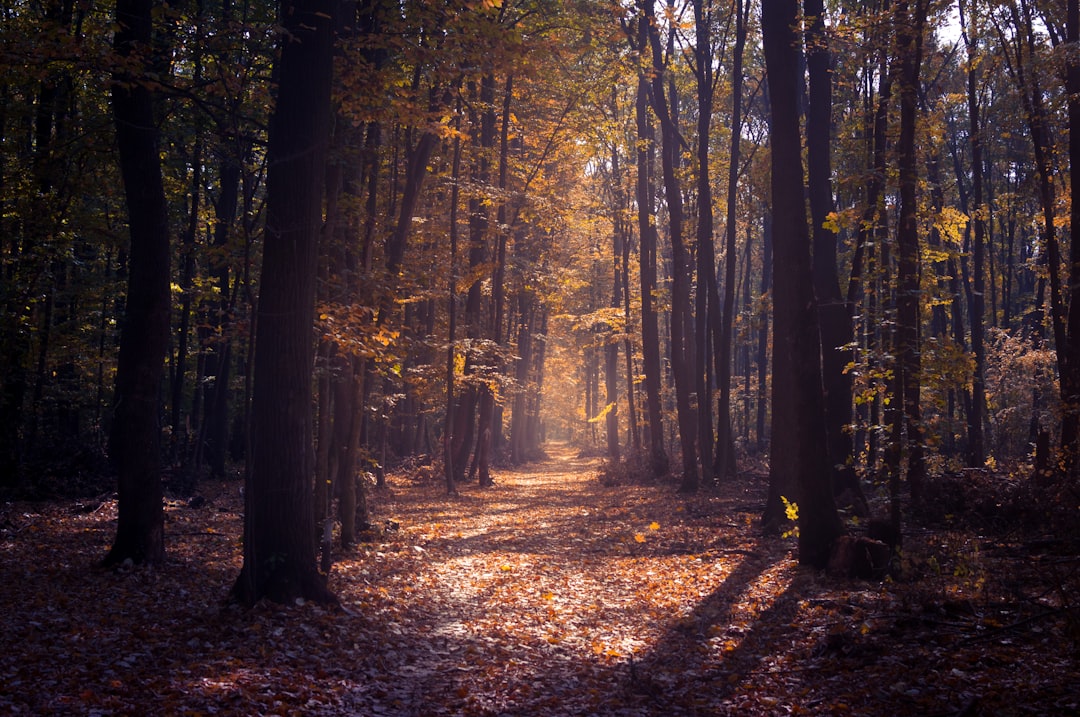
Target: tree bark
x: 796, y: 334
x: 1071, y: 382
x: 911, y: 23
x: 279, y: 532
x: 135, y: 441
x: 835, y: 313
x: 650, y: 330
x: 976, y: 449
x: 682, y: 358
x: 725, y: 452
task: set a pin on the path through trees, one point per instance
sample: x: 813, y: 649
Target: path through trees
x: 553, y: 592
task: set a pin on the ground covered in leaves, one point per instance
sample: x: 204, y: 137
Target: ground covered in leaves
x: 551, y: 593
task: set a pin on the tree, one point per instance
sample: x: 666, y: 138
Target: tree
x: 795, y: 331
x: 725, y: 453
x: 135, y: 440
x: 664, y: 104
x: 650, y: 332
x: 905, y: 411
x: 279, y: 532
x: 1071, y: 427
x: 834, y: 312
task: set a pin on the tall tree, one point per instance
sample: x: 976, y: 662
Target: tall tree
x: 279, y: 531
x: 135, y: 440
x: 725, y: 452
x: 707, y: 298
x: 664, y: 104
x: 976, y: 450
x: 795, y: 331
x: 1071, y: 381
x: 834, y: 312
x: 647, y: 264
x: 906, y: 416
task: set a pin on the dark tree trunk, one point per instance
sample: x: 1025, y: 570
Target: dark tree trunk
x: 975, y: 448
x: 796, y: 334
x: 707, y: 299
x: 135, y: 441
x: 911, y: 22
x: 834, y: 312
x: 664, y: 103
x: 725, y: 453
x: 279, y: 531
x: 611, y: 349
x: 760, y: 422
x: 451, y: 310
x: 647, y: 267
x: 1071, y: 381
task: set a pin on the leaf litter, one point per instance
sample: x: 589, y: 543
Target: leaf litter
x: 550, y: 593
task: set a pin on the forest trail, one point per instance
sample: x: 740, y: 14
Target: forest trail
x: 552, y: 592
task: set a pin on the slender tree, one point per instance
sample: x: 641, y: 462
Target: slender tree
x: 647, y: 266
x: 664, y: 104
x: 725, y: 452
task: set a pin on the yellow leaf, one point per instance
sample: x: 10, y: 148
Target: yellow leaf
x: 548, y: 596
x: 506, y: 568
x: 639, y: 538
x: 654, y: 526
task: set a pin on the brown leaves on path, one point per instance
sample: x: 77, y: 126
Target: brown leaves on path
x: 549, y: 593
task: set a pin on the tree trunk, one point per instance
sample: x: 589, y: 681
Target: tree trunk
x: 796, y: 333
x: 135, y: 441
x: 1071, y: 422
x: 835, y: 313
x: 725, y: 454
x: 911, y: 24
x: 682, y: 360
x: 611, y: 348
x: 647, y: 266
x: 279, y: 532
x: 976, y: 450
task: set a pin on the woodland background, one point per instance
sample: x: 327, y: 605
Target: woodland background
x: 319, y: 239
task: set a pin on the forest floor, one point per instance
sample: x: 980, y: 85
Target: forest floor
x: 551, y: 593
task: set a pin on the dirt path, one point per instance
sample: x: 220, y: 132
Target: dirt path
x: 550, y: 593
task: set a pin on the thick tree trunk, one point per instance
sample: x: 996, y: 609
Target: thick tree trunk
x: 796, y: 333
x: 279, y: 531
x: 135, y: 441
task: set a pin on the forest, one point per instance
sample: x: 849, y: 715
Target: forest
x: 666, y: 356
